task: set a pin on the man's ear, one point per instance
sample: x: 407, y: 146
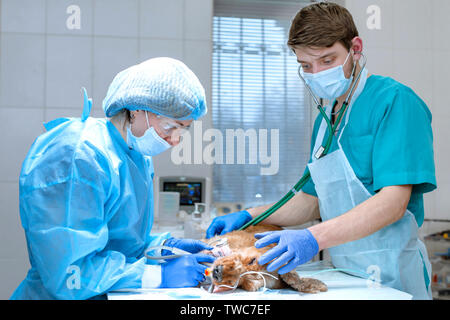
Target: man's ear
x: 357, y: 46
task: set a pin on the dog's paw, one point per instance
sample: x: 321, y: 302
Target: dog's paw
x: 309, y: 285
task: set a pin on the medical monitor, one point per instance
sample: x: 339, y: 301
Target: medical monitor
x: 190, y: 191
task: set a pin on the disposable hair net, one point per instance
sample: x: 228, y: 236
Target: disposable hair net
x: 163, y: 86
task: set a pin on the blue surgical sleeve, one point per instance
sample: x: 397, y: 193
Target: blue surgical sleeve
x: 67, y: 234
x: 67, y: 239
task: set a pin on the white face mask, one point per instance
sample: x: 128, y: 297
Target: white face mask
x: 329, y: 84
x: 150, y: 144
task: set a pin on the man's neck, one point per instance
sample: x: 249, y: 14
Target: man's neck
x: 342, y: 98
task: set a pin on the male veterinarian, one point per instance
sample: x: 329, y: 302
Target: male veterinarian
x: 368, y: 189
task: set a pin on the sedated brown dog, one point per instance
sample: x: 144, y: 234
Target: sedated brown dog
x: 227, y: 270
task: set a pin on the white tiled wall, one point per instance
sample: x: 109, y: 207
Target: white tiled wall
x: 43, y: 66
x: 118, y: 18
x: 55, y: 20
x: 413, y: 47
x: 31, y: 20
x: 69, y: 65
x: 22, y: 70
x: 168, y: 24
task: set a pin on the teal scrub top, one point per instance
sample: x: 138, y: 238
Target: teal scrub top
x: 388, y: 141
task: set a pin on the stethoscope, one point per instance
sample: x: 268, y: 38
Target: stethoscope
x: 321, y: 152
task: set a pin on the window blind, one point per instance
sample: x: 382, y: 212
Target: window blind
x: 256, y: 87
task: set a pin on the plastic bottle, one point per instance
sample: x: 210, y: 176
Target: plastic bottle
x: 192, y: 224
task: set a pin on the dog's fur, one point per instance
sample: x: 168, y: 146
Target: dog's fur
x: 244, y: 258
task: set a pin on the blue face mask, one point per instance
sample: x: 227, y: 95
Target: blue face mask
x: 329, y: 84
x: 150, y: 144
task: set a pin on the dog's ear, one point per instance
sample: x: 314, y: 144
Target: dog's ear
x: 249, y: 259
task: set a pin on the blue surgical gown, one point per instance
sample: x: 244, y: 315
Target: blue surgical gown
x: 86, y: 205
x: 388, y: 141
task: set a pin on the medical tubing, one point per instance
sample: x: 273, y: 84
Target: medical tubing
x: 305, y: 178
x: 362, y: 274
x: 350, y: 271
x: 260, y: 273
x: 177, y: 253
x: 365, y: 275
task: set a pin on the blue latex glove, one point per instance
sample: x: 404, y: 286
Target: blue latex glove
x: 189, y: 245
x: 185, y: 271
x: 294, y: 248
x: 227, y: 223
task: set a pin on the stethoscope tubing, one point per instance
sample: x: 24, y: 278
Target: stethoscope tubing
x: 331, y: 130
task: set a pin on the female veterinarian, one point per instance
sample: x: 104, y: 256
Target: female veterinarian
x: 86, y: 196
x: 368, y: 189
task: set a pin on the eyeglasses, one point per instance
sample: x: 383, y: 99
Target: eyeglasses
x: 168, y: 126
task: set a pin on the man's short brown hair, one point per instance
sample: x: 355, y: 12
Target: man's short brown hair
x: 321, y: 25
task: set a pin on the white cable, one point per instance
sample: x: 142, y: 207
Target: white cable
x: 249, y: 272
x: 176, y: 253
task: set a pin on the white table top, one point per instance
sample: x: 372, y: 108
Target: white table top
x: 341, y: 286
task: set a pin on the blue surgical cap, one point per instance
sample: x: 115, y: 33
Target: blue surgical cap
x: 163, y: 86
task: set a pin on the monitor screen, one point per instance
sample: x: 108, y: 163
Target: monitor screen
x: 190, y: 192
